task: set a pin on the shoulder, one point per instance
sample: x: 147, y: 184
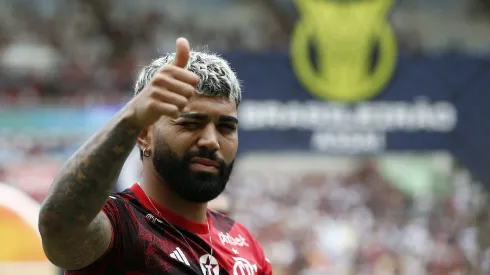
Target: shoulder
x: 123, y: 200
x: 125, y: 214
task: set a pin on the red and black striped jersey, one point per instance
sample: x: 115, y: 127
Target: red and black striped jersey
x: 144, y: 244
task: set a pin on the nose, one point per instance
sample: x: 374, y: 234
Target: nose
x: 209, y: 138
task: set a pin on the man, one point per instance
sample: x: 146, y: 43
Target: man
x: 183, y: 118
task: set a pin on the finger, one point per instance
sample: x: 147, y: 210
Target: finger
x: 182, y: 53
x: 180, y: 74
x: 174, y: 85
x: 166, y: 96
x: 167, y: 109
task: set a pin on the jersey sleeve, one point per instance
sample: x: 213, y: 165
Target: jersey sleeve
x: 112, y: 209
x: 113, y: 256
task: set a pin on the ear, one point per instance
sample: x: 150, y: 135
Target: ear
x: 145, y: 139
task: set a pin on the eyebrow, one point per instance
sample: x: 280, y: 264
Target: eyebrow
x: 199, y: 116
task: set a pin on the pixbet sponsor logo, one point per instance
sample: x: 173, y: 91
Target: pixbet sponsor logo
x: 228, y: 239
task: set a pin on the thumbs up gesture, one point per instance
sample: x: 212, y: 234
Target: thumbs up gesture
x: 168, y: 92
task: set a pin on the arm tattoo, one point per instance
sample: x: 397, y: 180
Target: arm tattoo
x: 84, y: 183
x: 80, y: 250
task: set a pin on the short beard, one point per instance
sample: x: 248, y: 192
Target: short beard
x: 196, y: 187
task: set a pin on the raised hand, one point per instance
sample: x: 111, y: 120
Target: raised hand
x: 168, y: 92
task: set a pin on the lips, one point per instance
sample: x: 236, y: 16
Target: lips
x: 205, y: 162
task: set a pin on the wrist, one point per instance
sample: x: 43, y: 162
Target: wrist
x: 129, y: 117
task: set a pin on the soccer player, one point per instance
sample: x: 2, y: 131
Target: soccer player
x: 184, y: 119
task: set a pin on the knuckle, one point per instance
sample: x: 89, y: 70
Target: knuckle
x: 157, y: 93
x: 174, y: 108
x: 153, y: 93
x: 166, y: 69
x: 174, y: 111
x: 151, y: 105
x: 186, y: 90
x: 196, y: 78
x: 181, y: 103
x: 157, y: 80
x: 189, y: 91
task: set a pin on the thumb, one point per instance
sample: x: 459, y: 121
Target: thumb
x: 183, y: 53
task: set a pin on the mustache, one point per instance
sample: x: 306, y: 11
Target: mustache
x: 204, y: 152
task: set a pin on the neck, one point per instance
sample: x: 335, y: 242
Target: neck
x: 159, y: 192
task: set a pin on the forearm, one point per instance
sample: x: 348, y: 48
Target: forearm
x: 82, y: 186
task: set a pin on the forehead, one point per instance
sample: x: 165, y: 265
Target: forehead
x: 213, y: 106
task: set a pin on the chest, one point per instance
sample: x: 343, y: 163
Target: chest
x: 155, y: 248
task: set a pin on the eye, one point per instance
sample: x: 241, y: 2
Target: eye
x: 191, y: 125
x: 227, y: 128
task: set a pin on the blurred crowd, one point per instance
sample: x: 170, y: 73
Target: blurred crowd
x: 82, y: 52
x: 313, y: 222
